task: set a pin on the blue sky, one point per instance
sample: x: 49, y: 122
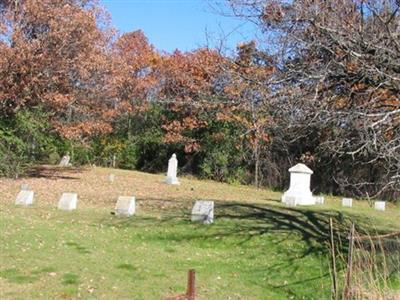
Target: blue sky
x: 178, y: 24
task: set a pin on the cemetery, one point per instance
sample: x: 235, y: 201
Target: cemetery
x: 95, y: 241
x: 200, y: 149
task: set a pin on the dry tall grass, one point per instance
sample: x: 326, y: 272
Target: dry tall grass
x: 371, y: 268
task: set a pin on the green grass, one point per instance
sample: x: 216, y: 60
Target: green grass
x: 253, y: 251
x: 94, y: 255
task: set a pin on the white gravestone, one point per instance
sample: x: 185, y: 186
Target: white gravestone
x: 300, y: 177
x: 111, y: 178
x: 24, y: 197
x: 319, y: 200
x: 68, y: 201
x: 172, y: 170
x: 65, y: 161
x: 125, y: 206
x: 347, y: 202
x: 290, y: 201
x: 203, y: 211
x: 380, y: 205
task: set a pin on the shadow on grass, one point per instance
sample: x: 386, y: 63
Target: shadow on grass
x: 247, y: 221
x: 16, y: 276
x: 80, y: 249
x: 54, y: 172
x: 127, y: 267
x: 297, y: 237
x: 240, y: 225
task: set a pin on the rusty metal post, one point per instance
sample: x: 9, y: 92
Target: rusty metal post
x: 191, y: 286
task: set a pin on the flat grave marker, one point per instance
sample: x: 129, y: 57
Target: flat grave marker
x: 347, y: 202
x: 68, y: 201
x: 126, y: 206
x: 24, y: 197
x: 380, y: 205
x: 203, y: 211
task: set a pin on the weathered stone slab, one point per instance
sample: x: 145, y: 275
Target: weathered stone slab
x: 347, y: 202
x: 125, y: 206
x: 24, y: 197
x: 203, y: 211
x: 68, y: 201
x: 380, y: 205
x: 319, y: 200
x: 172, y: 171
x: 300, y: 177
x: 290, y: 201
x: 65, y: 161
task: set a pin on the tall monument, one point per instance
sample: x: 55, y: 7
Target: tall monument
x: 172, y: 170
x: 299, y: 189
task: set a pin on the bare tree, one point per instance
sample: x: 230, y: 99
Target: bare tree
x: 336, y: 89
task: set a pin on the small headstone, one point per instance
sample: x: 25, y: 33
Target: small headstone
x: 203, y: 211
x: 25, y: 187
x: 347, y: 202
x: 65, y: 161
x: 68, y: 201
x: 380, y: 205
x: 290, y: 201
x: 172, y: 170
x: 319, y: 200
x: 24, y: 197
x: 125, y: 206
x: 111, y: 178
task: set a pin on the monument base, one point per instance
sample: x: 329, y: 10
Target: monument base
x: 173, y: 181
x: 300, y: 199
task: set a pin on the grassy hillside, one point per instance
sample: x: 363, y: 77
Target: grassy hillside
x: 256, y: 249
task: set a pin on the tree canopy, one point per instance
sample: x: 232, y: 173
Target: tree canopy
x: 322, y: 86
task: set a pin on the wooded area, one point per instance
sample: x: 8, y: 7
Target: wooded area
x: 322, y: 87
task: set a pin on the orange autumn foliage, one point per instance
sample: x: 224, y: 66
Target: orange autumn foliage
x: 56, y: 58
